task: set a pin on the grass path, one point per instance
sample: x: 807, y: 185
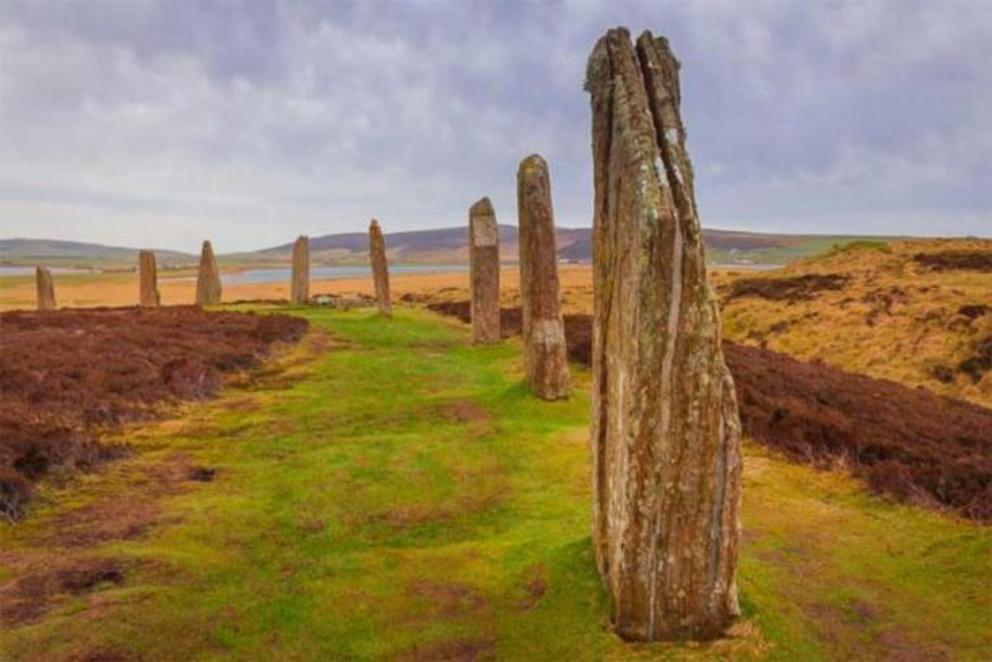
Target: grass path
x: 391, y: 493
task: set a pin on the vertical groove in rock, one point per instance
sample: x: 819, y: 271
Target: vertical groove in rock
x: 148, y: 295
x: 299, y: 285
x: 545, y: 354
x: 665, y: 432
x: 45, y: 287
x: 208, y: 286
x: 380, y: 268
x: 483, y: 252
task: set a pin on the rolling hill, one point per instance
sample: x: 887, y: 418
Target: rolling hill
x: 449, y: 245
x: 437, y: 246
x: 28, y: 252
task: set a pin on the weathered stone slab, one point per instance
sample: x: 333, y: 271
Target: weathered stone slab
x: 208, y: 286
x: 545, y: 353
x: 299, y: 286
x: 148, y: 295
x: 665, y: 428
x: 45, y: 287
x: 380, y: 268
x: 483, y: 254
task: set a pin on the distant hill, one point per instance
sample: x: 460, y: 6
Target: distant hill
x: 28, y: 252
x: 450, y: 245
x: 440, y: 246
x: 445, y: 245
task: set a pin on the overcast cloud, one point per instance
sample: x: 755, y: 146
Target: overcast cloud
x: 160, y: 123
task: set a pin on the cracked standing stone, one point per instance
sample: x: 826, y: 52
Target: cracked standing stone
x: 665, y: 430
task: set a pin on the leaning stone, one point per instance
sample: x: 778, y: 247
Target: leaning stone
x: 148, y: 280
x: 300, y: 279
x: 46, y: 288
x: 665, y: 430
x: 545, y: 353
x: 208, y: 287
x: 380, y: 268
x: 483, y: 254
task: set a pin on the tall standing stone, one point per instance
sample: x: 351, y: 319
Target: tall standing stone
x: 300, y: 280
x: 665, y: 428
x: 483, y: 256
x: 208, y: 287
x: 148, y: 280
x: 380, y: 268
x: 45, y: 287
x: 545, y: 353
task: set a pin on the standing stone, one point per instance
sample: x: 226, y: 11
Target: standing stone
x: 483, y: 257
x: 665, y: 428
x: 208, y: 287
x: 380, y: 268
x: 300, y: 284
x: 545, y: 353
x: 46, y: 288
x: 148, y: 280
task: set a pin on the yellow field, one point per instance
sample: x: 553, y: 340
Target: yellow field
x: 121, y: 289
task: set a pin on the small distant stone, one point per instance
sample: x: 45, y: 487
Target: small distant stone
x: 148, y: 294
x: 380, y: 268
x: 208, y: 286
x: 45, y: 287
x: 300, y: 277
x: 484, y: 272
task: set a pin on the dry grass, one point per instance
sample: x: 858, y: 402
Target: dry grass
x: 892, y: 319
x: 121, y: 289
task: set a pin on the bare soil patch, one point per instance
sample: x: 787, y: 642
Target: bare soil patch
x: 68, y: 375
x: 980, y: 362
x: 448, y: 600
x: 30, y: 595
x: 536, y: 587
x: 789, y: 289
x: 453, y: 651
x: 974, y: 311
x: 962, y: 260
x: 464, y: 411
x: 905, y: 442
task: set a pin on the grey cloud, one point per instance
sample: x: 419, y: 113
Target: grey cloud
x: 250, y: 121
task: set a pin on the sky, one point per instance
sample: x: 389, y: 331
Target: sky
x: 161, y: 123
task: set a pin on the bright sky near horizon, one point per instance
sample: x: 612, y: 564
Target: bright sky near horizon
x: 160, y: 123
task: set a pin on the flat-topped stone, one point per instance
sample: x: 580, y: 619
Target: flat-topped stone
x: 299, y: 285
x: 483, y: 251
x: 545, y: 353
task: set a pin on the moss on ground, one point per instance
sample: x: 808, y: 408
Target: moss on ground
x: 390, y: 491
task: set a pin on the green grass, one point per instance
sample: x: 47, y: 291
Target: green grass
x: 402, y: 493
